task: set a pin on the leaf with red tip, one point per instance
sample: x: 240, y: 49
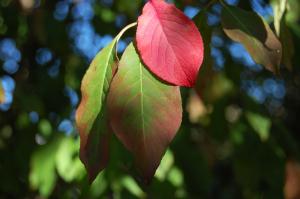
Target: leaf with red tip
x: 169, y: 43
x: 144, y: 113
x: 91, y: 117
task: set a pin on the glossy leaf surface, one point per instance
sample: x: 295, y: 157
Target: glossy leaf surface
x: 145, y: 113
x: 255, y: 34
x: 169, y: 43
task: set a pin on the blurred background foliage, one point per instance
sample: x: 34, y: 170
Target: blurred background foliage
x: 239, y: 137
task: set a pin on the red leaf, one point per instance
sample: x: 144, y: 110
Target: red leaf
x: 169, y: 43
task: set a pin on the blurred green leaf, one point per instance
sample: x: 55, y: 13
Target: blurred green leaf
x: 42, y: 174
x: 293, y: 12
x: 132, y: 187
x: 175, y: 176
x: 68, y: 164
x: 260, y: 124
x: 165, y: 166
x: 45, y: 127
x: 98, y: 187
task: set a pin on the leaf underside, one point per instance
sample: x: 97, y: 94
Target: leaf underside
x: 254, y: 33
x: 169, y: 43
x: 144, y: 113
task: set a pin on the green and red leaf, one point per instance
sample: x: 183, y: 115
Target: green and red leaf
x: 91, y: 116
x: 144, y: 113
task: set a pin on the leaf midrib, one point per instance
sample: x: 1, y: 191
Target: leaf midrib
x: 165, y: 35
x: 142, y: 102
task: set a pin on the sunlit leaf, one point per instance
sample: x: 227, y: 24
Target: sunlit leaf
x: 68, y: 164
x: 169, y: 43
x: 255, y: 34
x: 145, y: 113
x: 283, y: 32
x: 42, y: 174
x: 165, y: 166
x: 175, y: 177
x: 91, y: 116
x: 132, y: 187
x: 97, y: 187
x: 279, y: 7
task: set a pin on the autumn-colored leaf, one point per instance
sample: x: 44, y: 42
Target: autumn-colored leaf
x: 169, y: 43
x: 254, y: 33
x: 144, y: 113
x: 2, y: 94
x: 91, y: 117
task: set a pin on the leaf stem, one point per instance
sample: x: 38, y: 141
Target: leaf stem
x: 120, y: 35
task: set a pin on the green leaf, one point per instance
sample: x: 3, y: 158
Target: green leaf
x: 129, y: 183
x: 254, y: 33
x: 293, y: 13
x: 260, y: 124
x: 2, y: 94
x: 288, y: 48
x: 42, y: 174
x: 144, y: 113
x: 68, y: 164
x: 91, y: 117
x: 282, y: 30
